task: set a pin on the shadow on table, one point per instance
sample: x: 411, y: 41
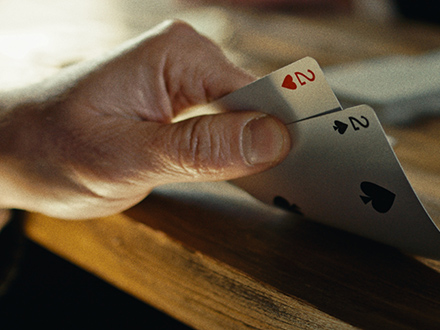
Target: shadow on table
x: 361, y: 282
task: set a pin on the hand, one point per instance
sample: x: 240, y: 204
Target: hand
x: 99, y: 137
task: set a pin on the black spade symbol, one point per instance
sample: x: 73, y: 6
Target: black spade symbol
x: 381, y: 199
x: 340, y: 126
x: 281, y: 202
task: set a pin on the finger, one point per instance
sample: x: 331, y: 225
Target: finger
x: 213, y: 148
x: 196, y: 70
x: 157, y: 76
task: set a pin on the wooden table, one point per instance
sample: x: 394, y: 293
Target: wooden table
x: 211, y: 257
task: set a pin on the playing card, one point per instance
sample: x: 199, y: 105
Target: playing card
x: 295, y: 92
x: 343, y: 172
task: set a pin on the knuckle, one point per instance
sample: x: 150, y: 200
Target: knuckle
x: 178, y: 25
x: 200, y: 145
x: 179, y: 31
x: 204, y: 149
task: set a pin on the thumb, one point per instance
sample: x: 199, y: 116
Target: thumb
x: 217, y: 147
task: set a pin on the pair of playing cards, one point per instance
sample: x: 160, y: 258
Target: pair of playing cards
x: 342, y: 170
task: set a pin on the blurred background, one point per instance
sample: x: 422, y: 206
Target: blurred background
x: 40, y: 37
x: 37, y: 38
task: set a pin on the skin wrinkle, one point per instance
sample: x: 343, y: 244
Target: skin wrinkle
x: 191, y: 96
x: 166, y: 72
x: 91, y: 146
x: 194, y: 142
x: 201, y: 149
x: 164, y: 154
x: 220, y: 150
x: 177, y: 90
x: 210, y: 150
x: 193, y: 163
x: 188, y: 163
x: 102, y: 133
x: 125, y: 159
x: 168, y: 84
x: 208, y: 81
x: 166, y: 107
x: 163, y: 112
x: 103, y: 181
x: 135, y: 100
x: 207, y: 156
x: 182, y: 93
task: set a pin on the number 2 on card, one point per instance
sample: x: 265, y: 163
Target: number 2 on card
x: 302, y: 79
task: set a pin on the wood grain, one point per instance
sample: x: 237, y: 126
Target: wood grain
x: 216, y: 270
x: 178, y: 279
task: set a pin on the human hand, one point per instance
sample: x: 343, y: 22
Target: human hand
x: 97, y: 138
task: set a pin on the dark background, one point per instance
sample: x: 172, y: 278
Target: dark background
x: 42, y: 289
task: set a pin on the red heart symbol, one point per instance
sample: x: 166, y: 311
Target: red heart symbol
x: 288, y: 82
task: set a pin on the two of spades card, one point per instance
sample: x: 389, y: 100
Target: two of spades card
x: 342, y: 171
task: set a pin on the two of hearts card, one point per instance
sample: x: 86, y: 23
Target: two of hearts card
x: 342, y: 171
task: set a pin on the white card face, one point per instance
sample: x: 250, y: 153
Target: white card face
x: 343, y: 172
x: 295, y: 92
